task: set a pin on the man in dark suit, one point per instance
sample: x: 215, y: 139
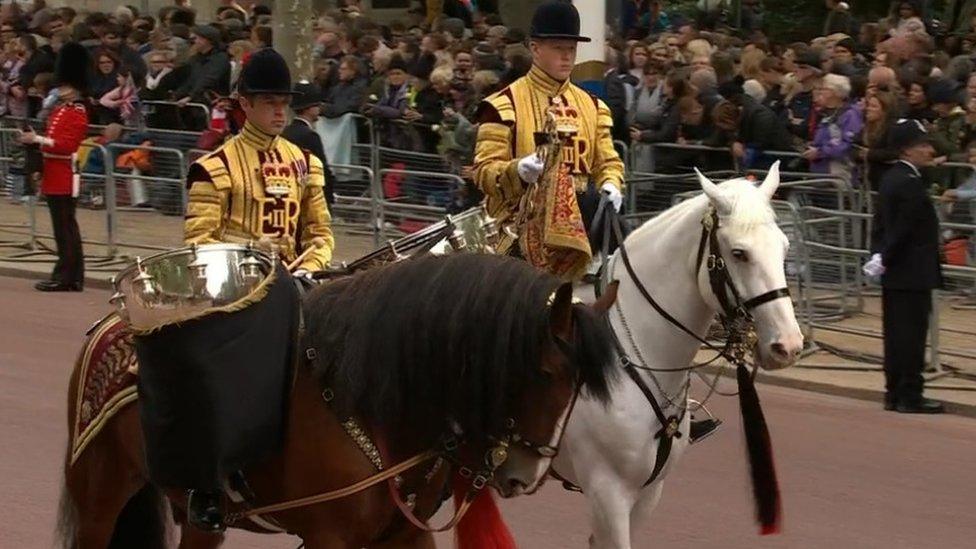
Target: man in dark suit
x: 906, y: 246
x: 307, y: 106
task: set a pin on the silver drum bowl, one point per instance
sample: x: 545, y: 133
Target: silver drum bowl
x: 180, y: 284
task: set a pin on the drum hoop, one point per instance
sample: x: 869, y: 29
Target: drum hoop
x: 133, y: 267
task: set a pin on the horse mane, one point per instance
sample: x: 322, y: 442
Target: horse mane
x: 409, y: 346
x: 749, y: 205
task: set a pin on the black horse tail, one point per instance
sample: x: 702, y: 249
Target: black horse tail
x: 67, y: 519
x: 142, y: 522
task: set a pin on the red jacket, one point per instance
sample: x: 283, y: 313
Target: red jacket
x: 66, y: 128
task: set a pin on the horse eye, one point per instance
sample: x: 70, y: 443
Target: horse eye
x: 740, y: 254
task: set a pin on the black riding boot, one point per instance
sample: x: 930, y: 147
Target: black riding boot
x: 701, y: 429
x: 205, y: 511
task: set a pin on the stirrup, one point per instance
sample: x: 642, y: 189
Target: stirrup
x: 206, y: 515
x: 700, y: 430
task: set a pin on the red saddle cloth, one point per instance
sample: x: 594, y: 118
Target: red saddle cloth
x: 106, y: 381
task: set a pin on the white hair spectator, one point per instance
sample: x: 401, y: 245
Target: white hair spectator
x: 124, y: 13
x: 839, y: 84
x: 704, y: 79
x: 442, y: 75
x: 754, y: 89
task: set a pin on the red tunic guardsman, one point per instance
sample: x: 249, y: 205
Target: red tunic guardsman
x: 66, y: 128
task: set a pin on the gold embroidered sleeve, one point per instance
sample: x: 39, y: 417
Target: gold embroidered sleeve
x: 608, y: 167
x: 495, y: 171
x: 316, y: 220
x: 207, y: 203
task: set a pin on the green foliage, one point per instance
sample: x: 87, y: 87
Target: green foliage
x: 792, y: 20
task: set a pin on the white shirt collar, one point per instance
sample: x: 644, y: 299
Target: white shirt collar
x: 912, y: 166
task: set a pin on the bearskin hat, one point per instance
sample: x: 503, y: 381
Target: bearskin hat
x: 72, y: 66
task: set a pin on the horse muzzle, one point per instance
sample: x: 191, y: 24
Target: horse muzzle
x: 781, y: 352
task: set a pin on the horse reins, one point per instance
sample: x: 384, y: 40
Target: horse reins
x: 718, y: 276
x: 735, y: 313
x: 494, y: 457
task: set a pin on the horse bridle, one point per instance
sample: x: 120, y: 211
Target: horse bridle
x: 721, y: 281
x: 545, y: 450
x: 735, y: 314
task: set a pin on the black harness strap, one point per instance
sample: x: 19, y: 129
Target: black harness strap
x: 614, y: 222
x: 721, y: 285
x: 669, y: 425
x: 771, y: 295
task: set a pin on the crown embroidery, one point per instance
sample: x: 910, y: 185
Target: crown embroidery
x: 566, y: 118
x: 277, y: 176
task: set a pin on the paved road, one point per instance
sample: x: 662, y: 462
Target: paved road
x: 852, y: 475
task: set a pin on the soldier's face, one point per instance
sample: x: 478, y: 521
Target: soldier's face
x: 920, y: 155
x: 555, y: 57
x: 269, y: 113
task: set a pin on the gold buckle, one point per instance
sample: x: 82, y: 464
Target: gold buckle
x: 672, y: 427
x: 707, y: 220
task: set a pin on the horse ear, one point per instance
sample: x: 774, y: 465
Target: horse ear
x: 771, y: 183
x: 561, y: 312
x: 608, y: 298
x: 713, y: 193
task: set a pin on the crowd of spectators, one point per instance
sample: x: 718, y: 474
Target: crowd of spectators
x: 670, y: 79
x: 830, y: 101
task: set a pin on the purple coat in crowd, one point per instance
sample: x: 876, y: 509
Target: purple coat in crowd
x: 834, y: 138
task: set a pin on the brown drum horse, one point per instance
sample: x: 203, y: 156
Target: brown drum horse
x: 478, y: 358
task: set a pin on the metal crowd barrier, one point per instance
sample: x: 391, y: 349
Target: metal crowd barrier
x: 150, y: 205
x: 384, y: 192
x: 829, y: 222
x: 413, y: 199
x: 834, y: 301
x: 650, y: 158
x: 27, y: 233
x: 389, y: 192
x: 18, y: 225
x: 357, y: 203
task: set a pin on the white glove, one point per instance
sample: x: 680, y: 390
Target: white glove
x: 873, y: 267
x: 613, y: 195
x: 530, y: 168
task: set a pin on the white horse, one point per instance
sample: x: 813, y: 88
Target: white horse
x: 610, y: 452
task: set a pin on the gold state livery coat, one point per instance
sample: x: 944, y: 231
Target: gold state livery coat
x: 260, y: 186
x: 509, y: 121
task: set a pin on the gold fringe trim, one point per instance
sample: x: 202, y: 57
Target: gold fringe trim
x: 116, y: 403
x: 256, y: 295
